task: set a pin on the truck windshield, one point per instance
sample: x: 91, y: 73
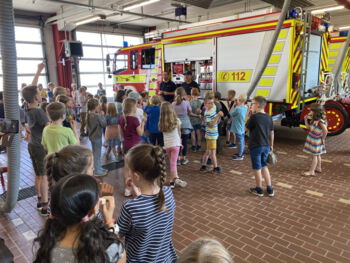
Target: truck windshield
x: 121, y: 62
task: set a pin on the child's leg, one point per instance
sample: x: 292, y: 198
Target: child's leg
x: 199, y: 137
x: 240, y: 142
x: 173, y: 154
x: 96, y: 149
x: 193, y: 138
x: 233, y: 138
x: 44, y: 189
x: 114, y: 150
x: 318, y: 166
x: 213, y: 157
x: 228, y: 135
x: 266, y: 173
x: 258, y: 178
x: 184, y: 140
x: 205, y: 157
x: 37, y: 184
x: 313, y: 165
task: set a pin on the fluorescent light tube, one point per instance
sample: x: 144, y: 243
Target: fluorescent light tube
x: 344, y: 27
x: 140, y: 4
x: 87, y: 20
x: 333, y: 8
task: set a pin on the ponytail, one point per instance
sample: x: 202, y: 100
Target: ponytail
x: 160, y: 162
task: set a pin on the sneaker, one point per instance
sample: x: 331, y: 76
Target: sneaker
x: 270, y: 191
x: 217, y: 170
x: 237, y: 158
x: 127, y: 192
x: 172, y: 185
x: 204, y: 168
x: 198, y: 148
x: 194, y: 149
x: 39, y: 206
x: 104, y: 172
x: 184, y: 161
x: 232, y: 146
x: 180, y: 182
x: 45, y: 211
x: 257, y: 191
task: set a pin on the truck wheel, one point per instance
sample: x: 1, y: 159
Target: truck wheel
x: 337, y: 119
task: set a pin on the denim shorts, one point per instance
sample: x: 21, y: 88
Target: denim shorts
x: 197, y: 127
x: 259, y: 156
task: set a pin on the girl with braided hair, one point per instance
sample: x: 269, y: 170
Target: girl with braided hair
x: 147, y: 221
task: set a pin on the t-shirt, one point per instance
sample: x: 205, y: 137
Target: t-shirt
x: 101, y: 92
x: 119, y: 107
x: 260, y: 125
x: 37, y: 121
x: 189, y: 86
x: 83, y: 102
x: 238, y: 114
x: 95, y: 124
x: 139, y: 114
x: 182, y: 108
x: 169, y: 87
x: 211, y: 133
x: 148, y: 231
x: 66, y: 255
x: 55, y: 137
x: 172, y: 138
x: 50, y: 95
x: 43, y: 93
x: 153, y: 115
x: 131, y: 138
x: 195, y: 105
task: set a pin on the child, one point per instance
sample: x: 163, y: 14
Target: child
x: 72, y: 159
x: 211, y: 119
x: 231, y: 105
x: 237, y: 125
x: 315, y: 141
x: 42, y: 91
x: 74, y: 233
x: 196, y: 121
x: 261, y: 139
x: 131, y: 129
x: 51, y: 87
x: 95, y: 124
x: 55, y: 136
x: 119, y: 100
x: 170, y: 125
x: 112, y: 135
x: 145, y: 98
x: 68, y: 103
x: 183, y: 111
x: 147, y: 221
x: 103, y: 107
x: 205, y: 250
x: 37, y: 120
x: 83, y: 98
x: 153, y: 114
x: 58, y: 91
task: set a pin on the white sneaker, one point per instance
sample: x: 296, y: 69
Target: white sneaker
x: 127, y: 192
x: 180, y: 182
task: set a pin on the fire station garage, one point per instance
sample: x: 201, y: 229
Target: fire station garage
x: 162, y: 131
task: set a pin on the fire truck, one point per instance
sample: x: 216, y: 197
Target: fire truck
x: 224, y: 54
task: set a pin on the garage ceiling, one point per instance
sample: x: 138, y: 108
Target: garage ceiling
x: 197, y: 10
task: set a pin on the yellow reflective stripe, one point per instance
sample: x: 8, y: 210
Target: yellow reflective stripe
x: 152, y: 92
x: 189, y: 42
x: 262, y: 92
x: 334, y: 46
x: 283, y: 34
x: 130, y: 78
x: 274, y: 59
x: 278, y: 47
x: 333, y: 53
x: 331, y: 61
x: 270, y: 71
x: 266, y: 82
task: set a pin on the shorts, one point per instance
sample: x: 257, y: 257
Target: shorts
x: 37, y: 154
x: 113, y: 142
x: 197, y: 127
x: 211, y: 144
x: 259, y: 156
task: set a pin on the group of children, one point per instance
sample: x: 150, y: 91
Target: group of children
x: 81, y: 226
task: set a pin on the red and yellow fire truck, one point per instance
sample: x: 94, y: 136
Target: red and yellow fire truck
x: 224, y: 54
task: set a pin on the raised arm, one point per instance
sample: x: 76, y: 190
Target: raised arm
x: 40, y: 68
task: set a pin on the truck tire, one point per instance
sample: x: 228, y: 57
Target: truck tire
x: 337, y: 119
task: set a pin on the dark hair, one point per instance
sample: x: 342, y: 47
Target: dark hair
x: 59, y: 91
x: 62, y: 98
x: 261, y: 101
x: 149, y: 162
x: 43, y: 106
x: 92, y: 104
x: 128, y: 91
x: 217, y: 95
x: 72, y: 159
x: 120, y: 95
x: 56, y: 110
x: 1, y: 95
x: 72, y: 199
x: 29, y: 93
x: 318, y: 112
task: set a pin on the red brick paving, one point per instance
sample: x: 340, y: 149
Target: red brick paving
x: 294, y: 226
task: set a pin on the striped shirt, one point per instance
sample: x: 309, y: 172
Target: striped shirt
x: 148, y: 231
x: 211, y: 133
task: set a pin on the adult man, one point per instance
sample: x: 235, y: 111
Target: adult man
x: 189, y: 83
x: 101, y: 91
x: 167, y: 88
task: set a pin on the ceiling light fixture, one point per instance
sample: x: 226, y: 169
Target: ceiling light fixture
x: 344, y: 27
x: 328, y: 9
x: 140, y: 4
x: 89, y: 20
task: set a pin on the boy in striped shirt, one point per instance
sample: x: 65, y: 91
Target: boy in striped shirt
x: 211, y: 119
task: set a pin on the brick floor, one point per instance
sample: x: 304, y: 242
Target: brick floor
x: 307, y: 221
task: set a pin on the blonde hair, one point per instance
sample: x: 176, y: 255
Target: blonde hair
x: 111, y: 110
x: 155, y: 100
x: 231, y: 93
x: 168, y: 117
x: 205, y: 250
x: 59, y: 91
x: 209, y: 95
x: 128, y: 105
x: 180, y: 93
x: 242, y: 97
x: 195, y: 92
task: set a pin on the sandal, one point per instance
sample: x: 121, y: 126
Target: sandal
x: 318, y: 171
x: 306, y: 174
